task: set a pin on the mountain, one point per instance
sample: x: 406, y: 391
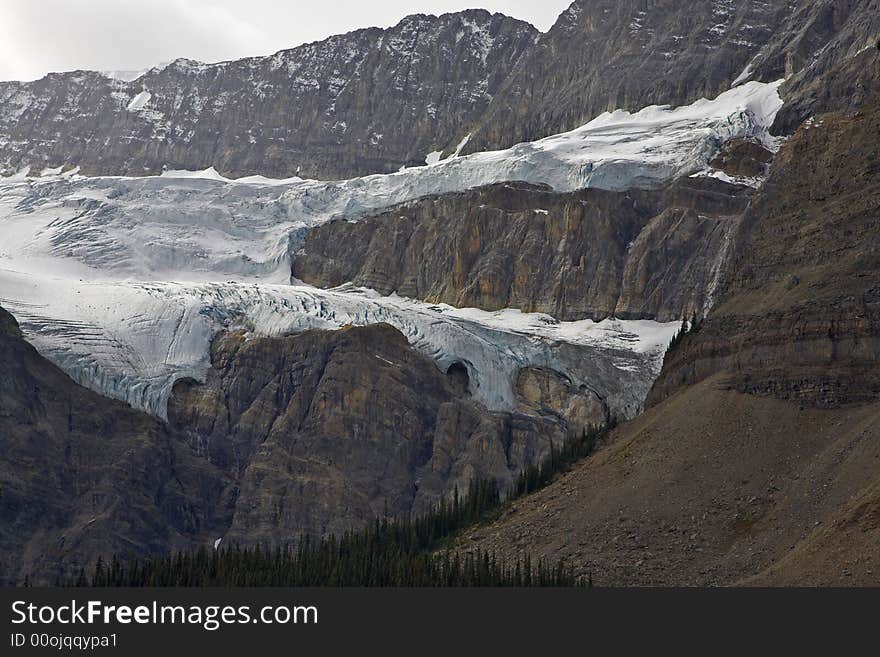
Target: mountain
x: 756, y: 460
x: 369, y: 101
x: 685, y: 244
x: 316, y: 434
x: 603, y: 55
x: 373, y: 101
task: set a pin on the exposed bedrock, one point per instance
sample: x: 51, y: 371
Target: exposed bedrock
x: 541, y: 391
x: 742, y: 158
x: 830, y: 49
x: 587, y: 254
x: 325, y: 430
x: 841, y: 87
x: 799, y: 315
x: 83, y: 475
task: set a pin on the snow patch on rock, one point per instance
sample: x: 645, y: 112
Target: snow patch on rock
x: 139, y: 101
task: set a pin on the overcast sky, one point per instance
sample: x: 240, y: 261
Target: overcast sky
x: 39, y: 36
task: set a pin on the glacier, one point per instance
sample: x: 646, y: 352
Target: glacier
x: 123, y: 281
x: 133, y: 340
x: 203, y: 225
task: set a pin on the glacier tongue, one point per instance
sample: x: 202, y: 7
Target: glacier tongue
x: 132, y: 341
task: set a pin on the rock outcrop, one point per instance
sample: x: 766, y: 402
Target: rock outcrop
x: 542, y: 391
x: 829, y: 52
x: 365, y: 102
x: 843, y: 87
x: 799, y: 315
x: 743, y: 158
x: 325, y: 430
x: 588, y: 254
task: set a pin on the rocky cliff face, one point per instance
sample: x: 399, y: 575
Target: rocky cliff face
x: 589, y: 254
x: 326, y: 430
x: 829, y: 51
x: 369, y: 101
x: 84, y: 476
x: 312, y: 434
x: 799, y: 316
x: 607, y: 54
x: 839, y: 87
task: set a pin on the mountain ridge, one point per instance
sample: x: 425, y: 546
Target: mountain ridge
x: 455, y: 83
x: 666, y: 51
x: 366, y: 101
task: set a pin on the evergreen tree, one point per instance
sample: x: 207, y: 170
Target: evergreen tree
x: 410, y: 551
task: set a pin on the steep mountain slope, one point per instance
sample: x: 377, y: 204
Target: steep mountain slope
x: 830, y: 52
x: 83, y: 475
x: 364, y: 102
x: 757, y: 462
x: 375, y: 100
x: 603, y: 55
x: 841, y: 86
x: 607, y: 54
x: 713, y: 487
